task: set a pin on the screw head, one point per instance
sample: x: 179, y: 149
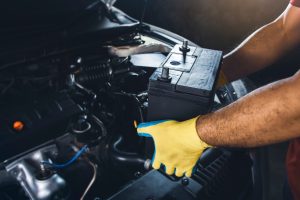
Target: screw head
x: 185, y: 181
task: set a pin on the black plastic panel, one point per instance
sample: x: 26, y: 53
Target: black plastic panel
x: 220, y: 174
x: 43, y: 119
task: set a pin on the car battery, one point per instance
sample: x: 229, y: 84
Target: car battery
x: 183, y: 87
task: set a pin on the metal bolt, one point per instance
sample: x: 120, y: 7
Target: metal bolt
x: 185, y: 44
x: 184, y: 49
x: 137, y: 174
x: 185, y: 181
x: 147, y: 164
x: 165, y: 73
x: 224, y: 95
x: 164, y: 77
x: 79, y: 60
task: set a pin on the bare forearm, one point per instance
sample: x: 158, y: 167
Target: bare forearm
x: 258, y: 51
x: 264, y: 46
x: 266, y: 116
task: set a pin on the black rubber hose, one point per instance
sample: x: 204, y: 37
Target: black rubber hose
x: 125, y: 159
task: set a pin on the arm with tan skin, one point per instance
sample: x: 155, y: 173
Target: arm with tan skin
x: 264, y: 46
x: 266, y: 116
x: 270, y: 114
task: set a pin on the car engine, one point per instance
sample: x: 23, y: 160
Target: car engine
x: 69, y: 115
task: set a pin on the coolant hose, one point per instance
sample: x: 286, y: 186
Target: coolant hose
x: 125, y: 159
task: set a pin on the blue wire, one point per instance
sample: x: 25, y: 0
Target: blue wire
x: 72, y: 160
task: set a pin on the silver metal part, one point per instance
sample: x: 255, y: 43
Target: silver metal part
x: 79, y: 60
x: 109, y: 3
x: 177, y: 50
x: 92, y: 180
x: 185, y: 44
x: 147, y: 164
x: 86, y: 129
x: 165, y: 73
x: 239, y: 88
x: 70, y: 81
x: 175, y: 62
x: 26, y: 170
x: 184, y: 49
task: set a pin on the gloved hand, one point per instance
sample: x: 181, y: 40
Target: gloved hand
x: 177, y: 145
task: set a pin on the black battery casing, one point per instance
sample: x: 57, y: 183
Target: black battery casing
x: 192, y: 87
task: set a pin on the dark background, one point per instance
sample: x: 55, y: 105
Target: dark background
x: 217, y: 24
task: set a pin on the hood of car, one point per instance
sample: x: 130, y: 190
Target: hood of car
x: 30, y: 28
x: 33, y: 13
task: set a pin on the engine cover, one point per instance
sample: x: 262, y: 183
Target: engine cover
x: 42, y: 119
x: 219, y: 174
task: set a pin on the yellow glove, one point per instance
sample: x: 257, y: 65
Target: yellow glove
x: 177, y: 145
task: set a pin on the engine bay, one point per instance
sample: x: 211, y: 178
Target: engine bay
x: 69, y: 126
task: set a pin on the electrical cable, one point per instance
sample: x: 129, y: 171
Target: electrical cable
x: 72, y: 160
x: 92, y: 180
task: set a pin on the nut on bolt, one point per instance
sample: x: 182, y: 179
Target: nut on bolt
x: 184, y: 49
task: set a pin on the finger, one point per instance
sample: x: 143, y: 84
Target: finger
x: 144, y: 134
x: 170, y: 170
x: 189, y: 173
x: 156, y: 164
x: 149, y: 124
x: 179, y: 172
x: 149, y: 128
